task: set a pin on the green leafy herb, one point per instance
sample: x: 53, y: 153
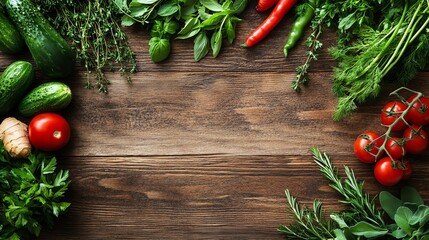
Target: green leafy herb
x: 409, y: 216
x: 199, y: 19
x: 92, y: 29
x: 31, y: 193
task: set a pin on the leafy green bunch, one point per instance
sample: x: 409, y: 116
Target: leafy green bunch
x: 409, y: 216
x: 31, y: 193
x: 207, y: 21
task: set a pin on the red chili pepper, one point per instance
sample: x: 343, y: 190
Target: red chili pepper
x: 264, y: 5
x: 282, y: 7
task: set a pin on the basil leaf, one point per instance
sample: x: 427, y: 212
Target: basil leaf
x: 190, y: 34
x: 189, y: 26
x: 171, y: 27
x: 159, y: 49
x: 389, y: 203
x: 239, y: 6
x: 121, y: 4
x: 138, y: 10
x: 157, y: 29
x: 201, y: 46
x: 127, y: 21
x: 230, y: 31
x: 147, y: 2
x: 368, y: 230
x: 410, y: 195
x: 216, y: 42
x: 212, y: 5
x: 167, y: 9
x: 213, y: 20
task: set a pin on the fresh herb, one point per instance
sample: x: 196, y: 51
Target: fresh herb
x: 408, y: 215
x: 209, y: 22
x: 92, y: 29
x: 376, y: 40
x: 31, y: 193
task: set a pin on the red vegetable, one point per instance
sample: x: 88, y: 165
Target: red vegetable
x: 366, y: 146
x: 48, y: 132
x: 386, y: 173
x: 282, y: 7
x: 264, y: 5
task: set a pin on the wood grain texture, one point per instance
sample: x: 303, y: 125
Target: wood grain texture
x: 205, y: 150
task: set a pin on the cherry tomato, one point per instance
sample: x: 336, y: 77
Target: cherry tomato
x: 366, y: 146
x: 392, y: 111
x: 408, y: 170
x: 395, y: 147
x: 387, y: 174
x: 416, y: 139
x: 48, y: 132
x: 419, y: 113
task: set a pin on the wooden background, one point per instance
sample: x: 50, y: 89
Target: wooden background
x: 205, y: 150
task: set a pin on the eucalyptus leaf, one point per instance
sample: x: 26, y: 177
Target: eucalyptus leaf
x: 410, y: 194
x: 159, y: 49
x: 201, y: 46
x: 389, y: 203
x: 368, y: 230
x: 402, y: 217
x: 216, y: 42
x: 212, y: 5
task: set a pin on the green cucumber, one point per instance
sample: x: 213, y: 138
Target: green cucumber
x: 14, y: 83
x: 51, y: 52
x: 48, y: 97
x: 10, y: 39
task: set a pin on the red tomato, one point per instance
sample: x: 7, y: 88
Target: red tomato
x: 386, y: 174
x: 395, y: 147
x: 366, y: 146
x: 408, y: 170
x: 416, y: 139
x: 419, y: 113
x: 392, y: 111
x: 48, y: 132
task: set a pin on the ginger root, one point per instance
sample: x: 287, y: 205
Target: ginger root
x: 14, y: 135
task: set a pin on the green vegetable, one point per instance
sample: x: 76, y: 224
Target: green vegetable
x: 200, y: 19
x: 305, y: 13
x: 52, y: 54
x: 92, y: 28
x: 408, y: 215
x: 31, y: 194
x: 47, y: 97
x: 10, y: 39
x: 376, y: 40
x: 14, y: 82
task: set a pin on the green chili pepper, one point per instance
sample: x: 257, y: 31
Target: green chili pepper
x: 299, y: 24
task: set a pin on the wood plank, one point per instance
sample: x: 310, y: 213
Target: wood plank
x: 224, y: 113
x: 197, y: 197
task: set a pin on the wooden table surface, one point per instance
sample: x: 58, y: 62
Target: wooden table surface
x: 205, y: 150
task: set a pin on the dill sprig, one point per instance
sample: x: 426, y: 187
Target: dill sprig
x: 92, y: 29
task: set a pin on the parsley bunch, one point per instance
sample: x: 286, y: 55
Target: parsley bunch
x: 31, y: 193
x: 207, y: 21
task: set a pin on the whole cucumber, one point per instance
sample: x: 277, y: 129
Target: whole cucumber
x: 14, y: 83
x: 10, y: 38
x: 51, y: 52
x: 48, y: 97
